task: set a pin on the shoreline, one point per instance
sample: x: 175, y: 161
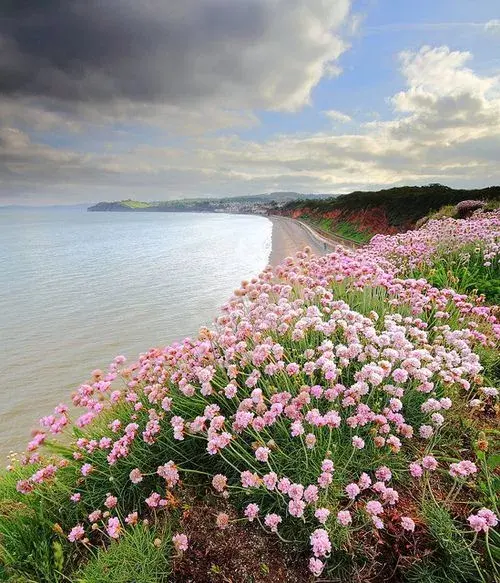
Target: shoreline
x: 290, y: 236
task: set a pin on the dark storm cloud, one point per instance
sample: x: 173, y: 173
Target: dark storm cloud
x: 157, y: 50
x: 91, y: 50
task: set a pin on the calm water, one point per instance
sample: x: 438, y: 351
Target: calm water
x: 78, y: 288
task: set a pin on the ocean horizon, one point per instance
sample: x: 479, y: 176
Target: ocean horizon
x: 78, y: 288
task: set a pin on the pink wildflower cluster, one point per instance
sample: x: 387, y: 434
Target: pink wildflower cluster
x: 289, y: 369
x: 483, y: 520
x: 411, y: 249
x: 181, y: 542
x: 463, y: 469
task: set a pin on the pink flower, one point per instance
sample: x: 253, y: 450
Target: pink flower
x: 400, y: 375
x: 270, y: 480
x: 394, y: 443
x: 111, y: 501
x: 390, y: 495
x: 95, y: 516
x: 327, y: 466
x: 153, y: 501
x: 325, y: 479
x: 374, y: 507
x: 262, y: 454
x: 180, y: 542
x: 463, y: 469
x: 76, y: 533
x: 113, y: 527
x: 322, y: 515
x: 477, y: 523
x: 316, y: 566
x: 320, y: 543
x: 75, y: 497
x: 407, y: 523
x: 86, y: 469
x: 429, y: 462
x: 132, y: 518
x: 377, y: 522
x: 357, y: 442
x: 445, y: 403
x: 352, y: 490
x: 222, y: 520
x: 426, y: 431
x: 416, y: 470
x: 296, y: 429
x: 489, y: 516
x: 296, y: 508
x: 24, y: 486
x: 383, y: 473
x: 135, y: 476
x: 310, y: 440
x: 344, y: 517
x: 219, y: 482
x: 251, y: 512
x: 296, y: 491
x: 311, y: 493
x: 437, y: 419
x: 105, y: 442
x: 115, y: 425
x: 284, y: 485
x: 364, y: 481
x: 483, y: 520
x: 249, y: 480
x: 272, y: 521
x: 169, y: 473
x: 292, y: 369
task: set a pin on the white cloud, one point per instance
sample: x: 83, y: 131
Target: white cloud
x: 337, y: 116
x: 445, y: 127
x: 446, y: 101
x: 493, y: 26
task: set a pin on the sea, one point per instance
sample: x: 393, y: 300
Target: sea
x: 78, y: 288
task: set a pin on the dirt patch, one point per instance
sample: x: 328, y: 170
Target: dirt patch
x: 239, y: 553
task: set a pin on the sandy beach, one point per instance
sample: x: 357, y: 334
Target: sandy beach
x: 290, y: 236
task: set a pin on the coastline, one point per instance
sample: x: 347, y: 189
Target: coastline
x: 290, y: 236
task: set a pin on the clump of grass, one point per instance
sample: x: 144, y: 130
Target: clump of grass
x: 345, y: 229
x: 142, y: 555
x: 464, y: 269
x: 453, y: 558
x: 350, y: 231
x: 32, y: 539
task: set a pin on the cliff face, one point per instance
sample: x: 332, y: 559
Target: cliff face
x: 369, y: 220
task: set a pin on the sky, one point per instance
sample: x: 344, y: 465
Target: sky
x: 163, y: 99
